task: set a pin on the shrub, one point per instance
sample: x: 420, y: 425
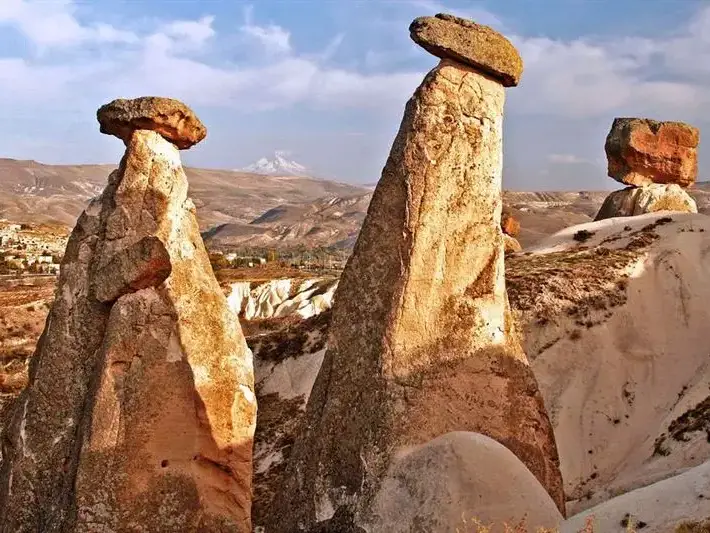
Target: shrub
x: 583, y: 235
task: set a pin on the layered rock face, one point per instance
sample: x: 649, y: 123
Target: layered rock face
x: 657, y: 160
x: 421, y: 342
x: 139, y: 414
x: 280, y: 298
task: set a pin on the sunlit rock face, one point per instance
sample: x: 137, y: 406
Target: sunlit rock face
x: 421, y: 341
x: 140, y: 410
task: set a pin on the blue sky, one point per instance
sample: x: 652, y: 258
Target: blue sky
x: 327, y: 80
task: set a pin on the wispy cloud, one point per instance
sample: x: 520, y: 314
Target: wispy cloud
x: 51, y: 24
x: 168, y: 61
x: 272, y: 38
x: 583, y: 77
x: 567, y: 159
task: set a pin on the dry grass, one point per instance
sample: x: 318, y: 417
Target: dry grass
x: 473, y: 525
x: 578, y: 288
x: 694, y: 527
x: 24, y: 304
x: 268, y: 272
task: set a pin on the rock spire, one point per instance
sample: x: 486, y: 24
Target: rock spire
x: 422, y: 342
x: 140, y: 410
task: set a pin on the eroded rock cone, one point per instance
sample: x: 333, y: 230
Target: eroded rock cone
x: 642, y: 151
x: 139, y: 414
x: 422, y: 341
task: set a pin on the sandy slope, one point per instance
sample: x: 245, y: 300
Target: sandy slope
x: 617, y: 336
x: 657, y: 508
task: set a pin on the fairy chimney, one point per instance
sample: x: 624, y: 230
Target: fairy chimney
x: 422, y: 342
x: 140, y: 409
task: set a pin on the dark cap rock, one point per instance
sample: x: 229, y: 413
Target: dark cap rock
x: 170, y: 118
x: 462, y: 40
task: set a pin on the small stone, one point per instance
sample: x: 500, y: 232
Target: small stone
x: 472, y: 44
x: 509, y: 225
x: 170, y: 118
x: 641, y: 151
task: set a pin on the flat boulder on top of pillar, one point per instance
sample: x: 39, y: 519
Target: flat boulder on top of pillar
x: 172, y: 119
x: 641, y: 151
x: 472, y: 44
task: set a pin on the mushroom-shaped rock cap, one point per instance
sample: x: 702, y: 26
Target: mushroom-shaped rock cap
x: 462, y: 40
x: 170, y: 118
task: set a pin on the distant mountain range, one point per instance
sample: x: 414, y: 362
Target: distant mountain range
x: 35, y: 192
x: 238, y: 208
x: 279, y: 165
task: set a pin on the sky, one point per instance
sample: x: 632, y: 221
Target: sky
x: 327, y: 80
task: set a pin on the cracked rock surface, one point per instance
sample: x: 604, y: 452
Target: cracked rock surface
x: 421, y: 342
x: 139, y: 414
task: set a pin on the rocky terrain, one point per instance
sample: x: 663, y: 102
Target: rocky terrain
x: 618, y: 297
x: 24, y: 305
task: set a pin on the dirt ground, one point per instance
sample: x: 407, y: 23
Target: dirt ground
x: 24, y: 305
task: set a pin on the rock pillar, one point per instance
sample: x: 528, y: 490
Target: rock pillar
x: 422, y: 342
x: 139, y: 414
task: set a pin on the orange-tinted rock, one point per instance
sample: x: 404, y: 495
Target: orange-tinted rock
x: 170, y: 118
x: 422, y: 342
x: 509, y: 224
x: 642, y: 151
x: 140, y: 411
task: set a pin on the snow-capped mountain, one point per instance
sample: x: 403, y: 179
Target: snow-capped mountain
x: 279, y: 165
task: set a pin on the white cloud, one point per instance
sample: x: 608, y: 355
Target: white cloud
x: 48, y: 24
x: 196, y: 32
x: 583, y: 78
x: 272, y: 39
x: 173, y: 61
x: 578, y: 78
x: 567, y: 159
